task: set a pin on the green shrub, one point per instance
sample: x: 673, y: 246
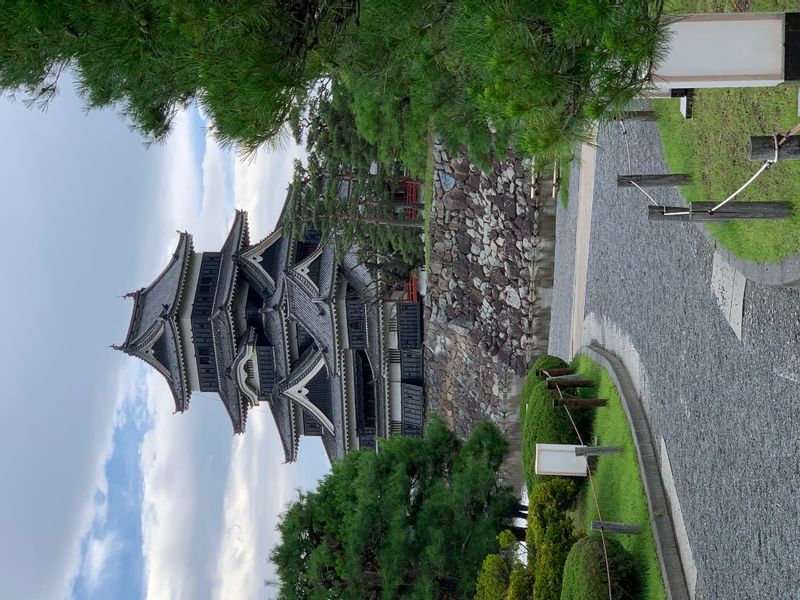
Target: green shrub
x: 542, y: 423
x: 585, y: 576
x: 551, y: 554
x: 493, y: 579
x: 521, y: 583
x: 548, y: 503
x: 546, y: 361
x: 550, y: 534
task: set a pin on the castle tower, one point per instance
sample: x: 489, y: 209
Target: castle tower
x: 280, y: 322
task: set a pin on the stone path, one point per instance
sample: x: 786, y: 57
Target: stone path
x: 728, y: 410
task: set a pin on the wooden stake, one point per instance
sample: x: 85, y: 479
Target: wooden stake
x: 762, y: 147
x: 612, y: 527
x: 597, y: 450
x: 730, y: 212
x: 638, y: 115
x: 667, y: 180
x: 580, y: 402
x: 558, y: 382
x: 554, y: 372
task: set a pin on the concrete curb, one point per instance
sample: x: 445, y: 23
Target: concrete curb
x: 783, y: 274
x: 660, y: 515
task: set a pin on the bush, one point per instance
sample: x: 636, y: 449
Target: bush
x: 493, y: 578
x: 521, y: 583
x: 542, y: 423
x: 550, y: 534
x: 551, y: 554
x: 546, y: 361
x: 549, y: 503
x: 585, y: 575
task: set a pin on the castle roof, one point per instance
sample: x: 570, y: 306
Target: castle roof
x: 222, y: 327
x: 153, y: 334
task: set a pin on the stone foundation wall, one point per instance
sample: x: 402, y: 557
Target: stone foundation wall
x: 489, y: 289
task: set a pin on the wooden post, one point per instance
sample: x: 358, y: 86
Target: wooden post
x: 612, y: 527
x: 554, y: 372
x: 638, y: 115
x: 580, y: 402
x: 556, y: 179
x: 558, y: 382
x: 666, y: 180
x: 762, y: 147
x: 597, y: 450
x: 698, y: 213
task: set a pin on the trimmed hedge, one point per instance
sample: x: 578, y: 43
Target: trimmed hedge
x: 550, y: 534
x: 542, y: 423
x: 585, y: 575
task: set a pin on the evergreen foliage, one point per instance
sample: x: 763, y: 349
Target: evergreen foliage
x: 249, y: 63
x: 413, y: 520
x: 585, y: 576
x: 550, y: 534
x: 484, y: 73
x: 345, y: 190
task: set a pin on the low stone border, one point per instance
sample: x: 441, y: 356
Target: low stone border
x: 783, y: 274
x: 660, y: 515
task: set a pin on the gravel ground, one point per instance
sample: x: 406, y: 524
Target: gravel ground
x: 729, y: 411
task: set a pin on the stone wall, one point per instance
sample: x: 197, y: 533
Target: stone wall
x: 489, y: 289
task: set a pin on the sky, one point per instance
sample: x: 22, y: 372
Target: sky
x: 106, y: 493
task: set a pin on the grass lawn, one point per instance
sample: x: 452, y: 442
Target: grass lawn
x: 427, y: 191
x: 617, y: 482
x: 619, y: 488
x: 713, y: 147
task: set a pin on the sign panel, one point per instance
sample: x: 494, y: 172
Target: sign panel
x: 724, y: 50
x: 560, y: 459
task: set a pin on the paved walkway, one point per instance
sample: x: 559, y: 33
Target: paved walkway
x: 728, y: 409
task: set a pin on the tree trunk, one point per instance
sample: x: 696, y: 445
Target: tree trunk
x: 357, y: 177
x: 394, y: 204
x: 407, y: 223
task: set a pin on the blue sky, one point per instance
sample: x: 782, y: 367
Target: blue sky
x: 103, y: 486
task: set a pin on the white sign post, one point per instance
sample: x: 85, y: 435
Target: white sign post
x: 730, y: 50
x: 560, y: 459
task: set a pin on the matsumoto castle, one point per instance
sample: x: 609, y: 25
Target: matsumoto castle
x: 284, y: 323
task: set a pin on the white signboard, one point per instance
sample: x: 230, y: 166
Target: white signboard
x: 730, y: 50
x: 560, y: 459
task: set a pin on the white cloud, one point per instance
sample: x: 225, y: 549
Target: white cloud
x: 91, y: 565
x: 211, y: 500
x: 260, y: 184
x: 258, y: 489
x: 99, y: 560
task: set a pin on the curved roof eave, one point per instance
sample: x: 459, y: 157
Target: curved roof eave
x: 161, y: 298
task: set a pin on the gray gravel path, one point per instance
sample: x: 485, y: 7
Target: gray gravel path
x: 729, y: 411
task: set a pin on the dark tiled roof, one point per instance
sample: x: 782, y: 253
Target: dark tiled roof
x: 225, y: 352
x: 274, y: 261
x: 334, y: 410
x: 154, y: 322
x: 281, y: 408
x: 160, y: 298
x: 333, y: 446
x: 273, y: 327
x: 222, y: 328
x: 237, y: 238
x: 327, y: 270
x: 317, y: 317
